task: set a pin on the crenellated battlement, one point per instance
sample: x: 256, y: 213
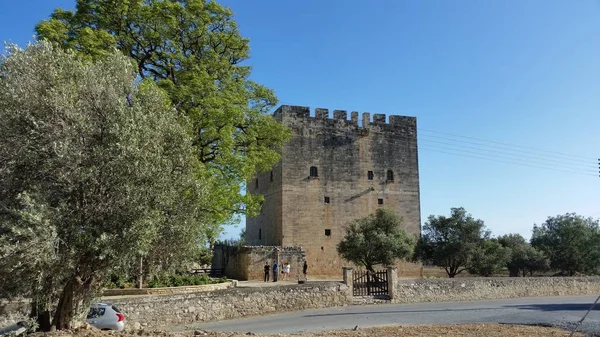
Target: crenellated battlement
x: 322, y: 114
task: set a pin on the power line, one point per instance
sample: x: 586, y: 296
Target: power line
x: 554, y: 156
x: 507, y: 144
x: 519, y: 156
x: 508, y: 162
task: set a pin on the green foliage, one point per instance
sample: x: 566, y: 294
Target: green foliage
x: 239, y: 242
x: 95, y: 170
x: 524, y: 258
x: 205, y: 256
x: 194, y: 51
x: 571, y: 242
x: 489, y: 258
x: 174, y: 280
x: 451, y: 242
x: 376, y: 239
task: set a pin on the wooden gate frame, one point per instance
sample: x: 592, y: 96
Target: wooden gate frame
x: 366, y: 283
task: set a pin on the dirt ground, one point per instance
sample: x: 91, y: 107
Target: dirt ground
x: 475, y: 330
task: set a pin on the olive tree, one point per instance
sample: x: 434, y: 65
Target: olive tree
x: 451, y: 242
x: 376, y: 239
x: 96, y: 168
x: 571, y: 242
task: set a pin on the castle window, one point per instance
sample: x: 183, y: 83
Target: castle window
x: 328, y: 232
x: 379, y: 201
x: 271, y: 178
x: 390, y: 175
x: 326, y: 200
x: 370, y: 175
x: 256, y: 183
x: 314, y: 172
x: 260, y: 233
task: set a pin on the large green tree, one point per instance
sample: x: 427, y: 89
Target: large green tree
x: 571, y: 242
x: 489, y: 258
x: 194, y: 51
x: 96, y: 169
x: 378, y: 239
x: 524, y: 259
x: 451, y: 242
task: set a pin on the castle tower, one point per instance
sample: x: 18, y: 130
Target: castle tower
x: 332, y: 172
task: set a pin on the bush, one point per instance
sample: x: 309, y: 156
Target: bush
x: 174, y: 280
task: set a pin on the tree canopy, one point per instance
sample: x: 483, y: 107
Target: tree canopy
x: 451, y: 242
x: 95, y: 170
x: 571, y: 242
x: 194, y: 51
x: 376, y: 239
x: 489, y: 258
x: 524, y: 259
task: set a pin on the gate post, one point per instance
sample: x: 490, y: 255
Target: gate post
x: 392, y: 279
x: 348, y: 279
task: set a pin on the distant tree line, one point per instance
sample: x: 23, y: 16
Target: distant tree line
x: 565, y: 244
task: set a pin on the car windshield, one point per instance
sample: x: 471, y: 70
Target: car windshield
x: 116, y: 309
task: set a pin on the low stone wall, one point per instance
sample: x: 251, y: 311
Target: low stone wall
x: 168, y: 290
x: 155, y: 311
x: 463, y: 289
x: 183, y: 309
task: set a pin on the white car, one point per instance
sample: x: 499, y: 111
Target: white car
x: 106, y: 317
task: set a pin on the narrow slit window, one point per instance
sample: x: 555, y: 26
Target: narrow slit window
x: 326, y: 200
x: 271, y: 178
x: 390, y: 175
x: 379, y: 201
x: 370, y: 175
x: 260, y: 233
x: 256, y: 183
x: 314, y: 173
x: 328, y: 232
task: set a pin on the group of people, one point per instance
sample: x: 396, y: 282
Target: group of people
x: 285, y: 271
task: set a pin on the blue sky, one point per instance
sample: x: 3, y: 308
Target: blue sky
x: 525, y: 73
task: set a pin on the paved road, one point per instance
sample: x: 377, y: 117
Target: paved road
x: 556, y: 311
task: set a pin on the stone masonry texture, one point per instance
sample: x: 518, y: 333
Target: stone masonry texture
x: 156, y: 311
x: 468, y: 289
x: 360, y: 168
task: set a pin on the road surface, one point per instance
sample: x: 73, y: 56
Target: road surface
x: 562, y: 312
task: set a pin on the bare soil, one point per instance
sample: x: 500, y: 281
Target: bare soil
x: 471, y: 330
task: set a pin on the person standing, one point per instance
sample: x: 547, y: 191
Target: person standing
x: 305, y: 270
x: 267, y: 270
x: 275, y: 271
x: 286, y: 270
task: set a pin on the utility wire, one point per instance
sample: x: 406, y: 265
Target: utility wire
x: 508, y: 162
x: 519, y: 157
x: 507, y: 144
x: 530, y: 153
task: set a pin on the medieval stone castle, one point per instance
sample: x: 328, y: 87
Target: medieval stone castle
x: 333, y: 171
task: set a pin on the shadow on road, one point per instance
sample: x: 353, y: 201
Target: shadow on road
x: 399, y: 312
x: 557, y: 307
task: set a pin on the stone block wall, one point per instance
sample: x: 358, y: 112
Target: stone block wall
x: 247, y: 262
x: 482, y: 288
x: 156, y: 311
x: 172, y: 310
x: 352, y: 162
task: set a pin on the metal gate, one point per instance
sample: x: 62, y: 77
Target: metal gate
x: 366, y: 283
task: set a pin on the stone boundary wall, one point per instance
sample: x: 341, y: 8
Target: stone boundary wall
x: 168, y: 290
x: 183, y: 309
x: 481, y: 288
x: 156, y: 311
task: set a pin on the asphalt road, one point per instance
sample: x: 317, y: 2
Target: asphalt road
x: 562, y: 312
